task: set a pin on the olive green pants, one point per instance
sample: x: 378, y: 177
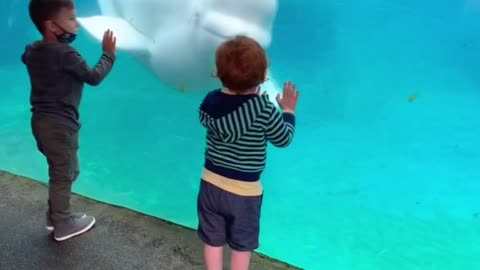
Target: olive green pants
x: 59, y: 144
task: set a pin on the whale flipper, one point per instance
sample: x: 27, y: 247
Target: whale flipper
x: 128, y: 38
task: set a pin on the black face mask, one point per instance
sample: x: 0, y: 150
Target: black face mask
x: 65, y: 37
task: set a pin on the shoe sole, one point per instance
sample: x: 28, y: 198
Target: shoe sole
x: 59, y: 239
x: 51, y: 228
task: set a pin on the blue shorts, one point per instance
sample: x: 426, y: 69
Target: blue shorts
x: 227, y: 218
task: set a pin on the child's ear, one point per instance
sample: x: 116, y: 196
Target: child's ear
x: 49, y: 26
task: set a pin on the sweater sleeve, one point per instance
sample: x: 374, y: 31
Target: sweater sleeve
x: 281, y: 128
x: 75, y: 64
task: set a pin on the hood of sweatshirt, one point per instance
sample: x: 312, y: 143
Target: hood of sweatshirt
x: 232, y: 126
x: 44, y: 54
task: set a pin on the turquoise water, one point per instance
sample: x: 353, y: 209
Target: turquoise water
x: 383, y: 170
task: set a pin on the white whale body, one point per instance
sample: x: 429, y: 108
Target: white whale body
x: 177, y: 39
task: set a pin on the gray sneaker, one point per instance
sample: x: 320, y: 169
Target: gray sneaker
x: 72, y: 227
x: 49, y: 220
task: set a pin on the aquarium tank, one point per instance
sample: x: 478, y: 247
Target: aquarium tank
x: 382, y: 172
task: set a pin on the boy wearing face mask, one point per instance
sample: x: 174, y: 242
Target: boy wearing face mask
x: 57, y: 75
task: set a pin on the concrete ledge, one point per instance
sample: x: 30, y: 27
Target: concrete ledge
x: 122, y: 239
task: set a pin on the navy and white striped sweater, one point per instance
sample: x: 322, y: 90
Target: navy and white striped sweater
x: 238, y: 129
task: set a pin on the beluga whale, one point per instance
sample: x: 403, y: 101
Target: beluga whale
x: 177, y: 39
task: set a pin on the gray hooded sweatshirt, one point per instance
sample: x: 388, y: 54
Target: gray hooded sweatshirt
x: 57, y: 77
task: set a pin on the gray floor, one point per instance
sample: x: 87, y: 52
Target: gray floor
x: 122, y: 239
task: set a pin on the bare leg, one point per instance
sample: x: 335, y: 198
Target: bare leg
x: 240, y: 260
x: 213, y: 257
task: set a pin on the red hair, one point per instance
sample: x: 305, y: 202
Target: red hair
x: 241, y: 63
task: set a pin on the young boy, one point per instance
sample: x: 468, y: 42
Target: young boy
x: 57, y: 76
x: 239, y: 123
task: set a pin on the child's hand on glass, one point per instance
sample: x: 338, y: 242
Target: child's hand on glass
x: 288, y: 102
x: 109, y: 42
